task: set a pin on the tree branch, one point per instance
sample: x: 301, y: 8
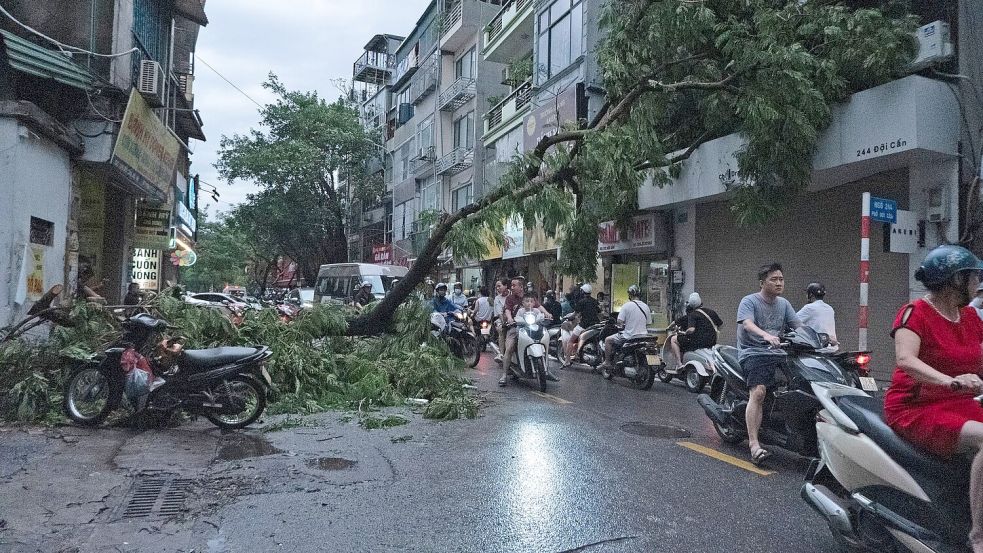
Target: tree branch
x: 685, y: 154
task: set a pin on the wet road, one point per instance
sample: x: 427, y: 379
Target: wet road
x: 540, y: 473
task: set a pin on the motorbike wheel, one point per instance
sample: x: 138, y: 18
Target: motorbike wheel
x: 695, y: 382
x: 470, y: 350
x: 664, y: 375
x: 645, y: 377
x: 591, y: 355
x: 90, y: 395
x: 238, y: 389
x: 539, y: 366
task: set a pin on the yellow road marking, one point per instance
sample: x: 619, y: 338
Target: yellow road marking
x: 554, y: 399
x: 710, y: 452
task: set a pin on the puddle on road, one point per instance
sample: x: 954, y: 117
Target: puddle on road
x: 244, y: 446
x: 331, y: 463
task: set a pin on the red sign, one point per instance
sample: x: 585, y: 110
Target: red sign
x: 642, y: 235
x: 382, y: 254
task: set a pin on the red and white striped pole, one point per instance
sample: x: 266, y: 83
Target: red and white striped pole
x: 864, y: 272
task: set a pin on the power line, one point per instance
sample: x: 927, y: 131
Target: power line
x: 208, y: 65
x: 62, y: 46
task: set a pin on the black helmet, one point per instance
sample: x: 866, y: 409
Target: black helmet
x: 816, y: 289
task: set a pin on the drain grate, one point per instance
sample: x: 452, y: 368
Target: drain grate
x: 157, y: 498
x: 655, y: 430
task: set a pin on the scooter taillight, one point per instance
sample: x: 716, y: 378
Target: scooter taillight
x: 863, y: 362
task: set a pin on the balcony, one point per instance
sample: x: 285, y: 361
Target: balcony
x: 458, y: 24
x: 457, y: 94
x: 423, y: 164
x: 508, y: 113
x: 453, y: 163
x: 405, y: 69
x: 509, y: 35
x: 425, y: 80
x: 372, y: 68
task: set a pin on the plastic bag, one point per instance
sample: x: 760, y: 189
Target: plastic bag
x: 139, y: 377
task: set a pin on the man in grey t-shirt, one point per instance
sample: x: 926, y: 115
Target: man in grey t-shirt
x: 761, y: 319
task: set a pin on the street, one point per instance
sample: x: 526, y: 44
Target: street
x: 564, y: 471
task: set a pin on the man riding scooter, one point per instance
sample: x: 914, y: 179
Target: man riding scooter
x: 589, y: 311
x: 512, y: 305
x: 635, y: 316
x: 698, y: 328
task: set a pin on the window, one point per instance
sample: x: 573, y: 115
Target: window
x: 561, y: 37
x: 462, y: 196
x: 428, y: 194
x: 464, y: 66
x: 42, y: 232
x: 464, y: 132
x: 424, y: 136
x: 403, y: 160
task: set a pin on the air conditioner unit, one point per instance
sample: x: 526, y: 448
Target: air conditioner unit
x: 934, y: 45
x: 151, y: 82
x: 186, y: 83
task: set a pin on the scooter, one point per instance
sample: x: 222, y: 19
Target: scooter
x: 637, y: 359
x: 695, y: 369
x: 532, y: 345
x: 590, y: 349
x: 454, y: 328
x: 790, y: 406
x: 878, y: 492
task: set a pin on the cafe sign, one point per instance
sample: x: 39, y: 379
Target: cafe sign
x: 145, y: 152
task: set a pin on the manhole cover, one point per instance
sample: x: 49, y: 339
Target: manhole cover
x: 244, y: 446
x: 331, y: 463
x: 655, y: 430
x: 157, y: 498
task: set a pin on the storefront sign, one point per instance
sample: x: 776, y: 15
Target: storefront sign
x: 153, y: 228
x: 382, y: 254
x: 35, y: 275
x: 644, y: 234
x: 185, y: 218
x: 494, y: 250
x: 550, y: 117
x: 146, y: 268
x: 536, y: 240
x: 145, y: 151
x: 514, y: 239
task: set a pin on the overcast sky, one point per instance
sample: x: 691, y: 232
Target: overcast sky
x: 307, y: 43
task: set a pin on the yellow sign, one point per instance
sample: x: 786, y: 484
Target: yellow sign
x: 536, y: 240
x: 145, y: 151
x: 622, y: 276
x: 494, y: 250
x: 35, y: 278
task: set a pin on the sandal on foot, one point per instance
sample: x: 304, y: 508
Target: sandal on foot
x: 759, y: 456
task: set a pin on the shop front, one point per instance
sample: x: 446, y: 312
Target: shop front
x: 638, y: 257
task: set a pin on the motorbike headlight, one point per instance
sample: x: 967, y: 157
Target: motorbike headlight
x: 459, y: 315
x: 530, y: 319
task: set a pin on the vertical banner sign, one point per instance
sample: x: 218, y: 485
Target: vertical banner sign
x: 35, y: 276
x: 864, y: 272
x: 146, y: 268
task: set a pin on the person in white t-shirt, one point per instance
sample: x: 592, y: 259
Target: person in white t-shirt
x: 817, y: 314
x: 636, y: 317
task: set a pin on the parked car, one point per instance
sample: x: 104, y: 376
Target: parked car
x: 304, y: 297
x: 216, y: 298
x: 340, y: 281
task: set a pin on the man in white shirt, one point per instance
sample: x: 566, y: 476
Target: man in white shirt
x: 483, y: 310
x: 636, y: 317
x: 501, y: 294
x: 817, y: 314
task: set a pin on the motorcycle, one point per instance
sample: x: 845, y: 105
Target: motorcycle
x: 637, y: 359
x: 488, y: 335
x: 694, y: 370
x: 228, y: 385
x: 454, y: 328
x: 590, y: 349
x: 790, y: 407
x: 878, y: 492
x: 532, y: 344
x: 856, y: 364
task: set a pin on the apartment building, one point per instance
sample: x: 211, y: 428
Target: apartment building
x: 95, y: 177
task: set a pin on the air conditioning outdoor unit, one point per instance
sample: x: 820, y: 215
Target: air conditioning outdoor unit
x: 186, y: 83
x: 934, y: 45
x: 151, y: 82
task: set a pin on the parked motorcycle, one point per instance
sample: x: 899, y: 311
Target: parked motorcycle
x: 532, y: 345
x: 637, y: 360
x: 228, y: 385
x: 454, y: 328
x: 694, y: 370
x: 790, y: 406
x: 878, y: 492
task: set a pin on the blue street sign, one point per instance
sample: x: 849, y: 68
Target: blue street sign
x: 883, y: 210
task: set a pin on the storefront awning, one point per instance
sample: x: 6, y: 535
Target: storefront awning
x: 27, y: 57
x: 192, y: 10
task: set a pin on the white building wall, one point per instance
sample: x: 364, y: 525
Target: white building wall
x: 35, y: 180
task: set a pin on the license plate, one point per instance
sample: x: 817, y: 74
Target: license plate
x: 868, y: 384
x: 653, y: 360
x: 486, y: 331
x: 266, y: 376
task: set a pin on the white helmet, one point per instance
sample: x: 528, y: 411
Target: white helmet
x: 586, y: 288
x: 366, y: 284
x: 694, y: 301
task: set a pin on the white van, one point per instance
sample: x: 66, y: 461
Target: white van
x: 341, y: 281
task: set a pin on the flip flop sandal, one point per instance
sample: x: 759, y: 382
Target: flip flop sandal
x: 760, y: 456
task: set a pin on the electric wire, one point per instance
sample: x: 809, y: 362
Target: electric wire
x: 62, y: 45
x: 208, y: 65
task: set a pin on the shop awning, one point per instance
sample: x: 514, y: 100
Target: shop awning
x: 27, y: 57
x: 192, y: 10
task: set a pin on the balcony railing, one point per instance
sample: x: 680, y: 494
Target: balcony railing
x: 405, y: 68
x: 453, y: 163
x: 423, y: 163
x: 425, y: 80
x: 507, y: 108
x: 372, y: 67
x: 503, y: 17
x: 457, y: 94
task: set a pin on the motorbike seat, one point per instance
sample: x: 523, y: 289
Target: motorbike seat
x: 729, y: 355
x: 642, y: 338
x: 215, y: 357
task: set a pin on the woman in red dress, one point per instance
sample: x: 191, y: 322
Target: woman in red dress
x: 938, y: 341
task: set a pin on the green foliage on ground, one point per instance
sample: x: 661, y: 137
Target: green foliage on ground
x: 314, y: 366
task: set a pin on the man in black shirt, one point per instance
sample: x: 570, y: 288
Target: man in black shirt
x: 364, y: 296
x: 553, y: 306
x: 698, y: 328
x: 589, y: 311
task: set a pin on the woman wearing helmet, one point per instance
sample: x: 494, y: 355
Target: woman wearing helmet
x: 937, y: 342
x: 441, y: 304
